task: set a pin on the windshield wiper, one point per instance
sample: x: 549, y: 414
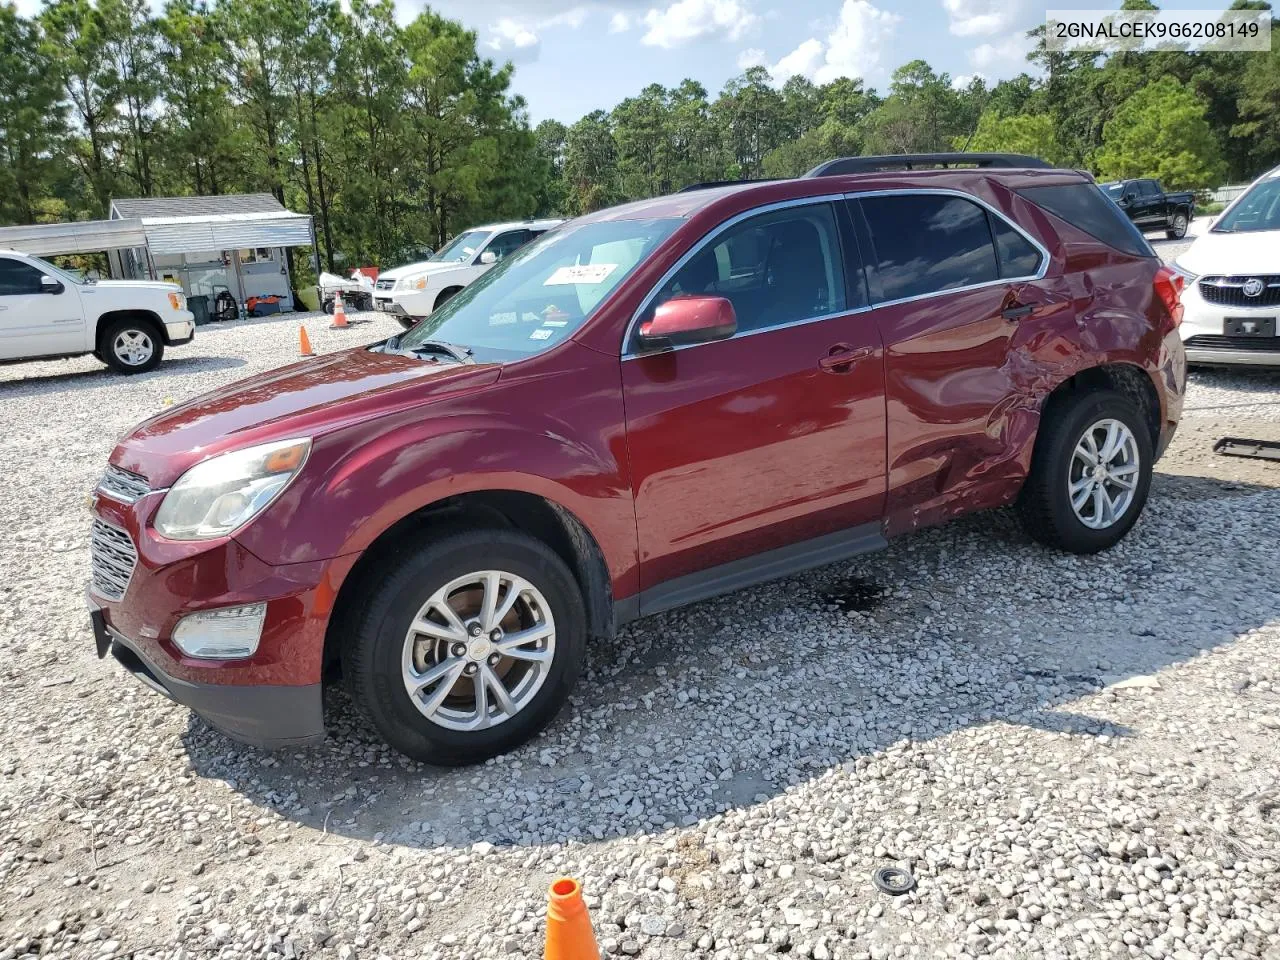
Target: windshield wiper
x: 460, y: 354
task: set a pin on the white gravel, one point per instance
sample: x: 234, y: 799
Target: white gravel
x: 1078, y: 757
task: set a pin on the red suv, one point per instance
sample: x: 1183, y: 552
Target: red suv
x: 650, y: 405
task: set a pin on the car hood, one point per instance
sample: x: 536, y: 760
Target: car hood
x: 137, y: 285
x: 301, y: 400
x: 426, y: 266
x: 1234, y: 254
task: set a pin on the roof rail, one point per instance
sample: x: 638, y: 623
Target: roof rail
x: 834, y: 168
x: 708, y: 184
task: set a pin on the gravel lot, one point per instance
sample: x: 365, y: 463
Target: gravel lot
x: 1077, y: 757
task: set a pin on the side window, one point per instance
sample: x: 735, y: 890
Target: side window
x: 1018, y: 258
x: 1149, y: 188
x: 508, y: 243
x: 925, y: 243
x: 18, y: 278
x: 775, y: 268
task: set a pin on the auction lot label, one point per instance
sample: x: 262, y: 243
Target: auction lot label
x: 1113, y: 31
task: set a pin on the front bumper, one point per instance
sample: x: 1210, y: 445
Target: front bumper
x: 181, y: 330
x: 386, y: 305
x: 415, y: 303
x: 1203, y: 333
x: 271, y: 698
x: 261, y: 716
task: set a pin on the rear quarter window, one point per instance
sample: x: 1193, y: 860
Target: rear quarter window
x: 1083, y: 206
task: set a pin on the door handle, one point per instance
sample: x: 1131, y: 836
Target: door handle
x: 842, y: 357
x: 1018, y: 311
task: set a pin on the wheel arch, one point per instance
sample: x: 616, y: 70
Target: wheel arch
x: 1127, y: 379
x: 530, y: 513
x: 447, y: 294
x: 149, y: 317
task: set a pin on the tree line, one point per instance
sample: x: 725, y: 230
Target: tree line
x: 394, y: 138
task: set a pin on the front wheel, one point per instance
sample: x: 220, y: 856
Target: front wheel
x: 468, y: 647
x: 1178, y: 228
x: 1090, y: 473
x: 131, y: 346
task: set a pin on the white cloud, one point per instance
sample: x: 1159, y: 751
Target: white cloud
x: 962, y: 80
x: 508, y: 34
x: 620, y: 22
x: 686, y: 20
x: 752, y: 57
x: 981, y: 18
x: 518, y: 39
x: 852, y: 49
x: 1004, y: 56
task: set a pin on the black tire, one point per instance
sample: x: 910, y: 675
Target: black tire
x: 373, y: 652
x: 1045, y: 502
x: 114, y: 350
x: 406, y: 322
x: 329, y: 307
x: 445, y: 296
x: 1178, y: 228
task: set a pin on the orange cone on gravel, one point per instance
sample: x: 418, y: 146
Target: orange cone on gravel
x: 304, y: 343
x: 339, y: 314
x: 569, y: 935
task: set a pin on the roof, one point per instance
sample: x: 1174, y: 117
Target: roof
x: 225, y: 204
x: 81, y: 236
x: 512, y: 225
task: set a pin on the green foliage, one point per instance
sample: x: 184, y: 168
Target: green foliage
x: 1161, y: 131
x: 1033, y: 134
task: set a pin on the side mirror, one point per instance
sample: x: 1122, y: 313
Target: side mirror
x: 49, y: 285
x: 686, y: 320
x: 488, y: 257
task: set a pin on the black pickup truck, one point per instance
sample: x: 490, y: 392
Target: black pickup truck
x: 1150, y: 208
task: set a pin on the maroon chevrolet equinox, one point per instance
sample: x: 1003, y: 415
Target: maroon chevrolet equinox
x: 648, y: 406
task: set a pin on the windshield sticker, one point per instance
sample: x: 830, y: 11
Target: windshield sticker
x: 554, y: 313
x: 502, y: 319
x: 556, y: 323
x: 586, y: 273
x: 542, y: 333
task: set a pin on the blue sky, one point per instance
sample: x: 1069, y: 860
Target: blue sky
x: 574, y: 56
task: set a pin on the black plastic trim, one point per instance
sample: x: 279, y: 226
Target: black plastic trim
x: 1007, y: 161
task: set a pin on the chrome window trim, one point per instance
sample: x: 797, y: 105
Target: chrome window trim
x: 942, y: 191
x: 702, y: 244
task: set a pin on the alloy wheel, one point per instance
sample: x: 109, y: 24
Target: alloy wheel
x: 133, y: 347
x: 478, y: 650
x: 1103, y: 475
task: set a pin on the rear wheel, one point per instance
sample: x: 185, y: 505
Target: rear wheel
x: 1178, y: 228
x: 469, y: 647
x: 1090, y: 473
x: 131, y: 346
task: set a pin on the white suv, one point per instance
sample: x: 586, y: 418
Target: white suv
x: 413, y: 291
x: 1231, y: 303
x: 47, y: 313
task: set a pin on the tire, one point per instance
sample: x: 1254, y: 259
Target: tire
x: 131, y: 346
x: 380, y: 657
x: 1045, y: 503
x: 1178, y: 228
x: 406, y: 323
x: 445, y: 296
x: 330, y: 306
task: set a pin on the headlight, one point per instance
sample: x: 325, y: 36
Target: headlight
x: 413, y: 283
x: 1184, y: 273
x: 177, y: 301
x: 222, y: 494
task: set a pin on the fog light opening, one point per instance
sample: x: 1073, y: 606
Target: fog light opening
x: 227, y: 633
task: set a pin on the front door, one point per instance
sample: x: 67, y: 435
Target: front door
x: 957, y: 301
x: 775, y: 436
x: 33, y: 321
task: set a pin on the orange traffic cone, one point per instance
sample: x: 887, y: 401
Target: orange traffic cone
x: 304, y: 343
x: 339, y: 314
x: 569, y: 935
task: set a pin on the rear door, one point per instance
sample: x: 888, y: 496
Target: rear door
x: 952, y: 282
x: 774, y: 437
x: 33, y: 322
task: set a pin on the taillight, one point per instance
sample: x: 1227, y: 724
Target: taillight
x: 1168, y: 286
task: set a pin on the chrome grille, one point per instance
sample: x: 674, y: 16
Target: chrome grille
x: 112, y: 558
x: 1230, y: 291
x: 385, y: 285
x: 122, y: 485
x: 1210, y: 341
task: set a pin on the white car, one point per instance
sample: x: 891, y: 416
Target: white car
x: 47, y: 313
x: 414, y: 291
x: 1232, y: 297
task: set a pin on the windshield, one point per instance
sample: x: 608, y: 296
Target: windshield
x: 70, y: 276
x: 461, y: 247
x: 1113, y: 190
x: 1257, y: 210
x: 541, y: 294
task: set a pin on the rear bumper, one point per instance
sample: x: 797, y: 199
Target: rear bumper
x: 262, y: 716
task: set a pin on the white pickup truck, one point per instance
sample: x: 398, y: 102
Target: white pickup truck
x: 47, y: 313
